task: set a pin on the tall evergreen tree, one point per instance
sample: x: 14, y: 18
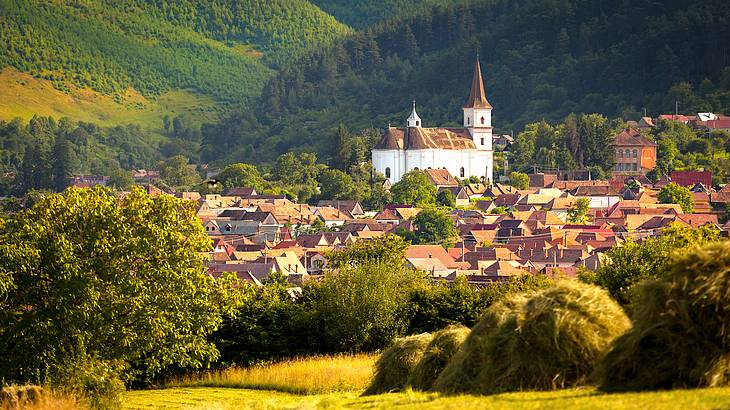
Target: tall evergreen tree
x: 64, y: 163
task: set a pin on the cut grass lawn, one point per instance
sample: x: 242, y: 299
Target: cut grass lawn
x: 223, y: 398
x: 312, y: 375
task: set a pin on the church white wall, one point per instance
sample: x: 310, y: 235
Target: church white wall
x: 478, y: 163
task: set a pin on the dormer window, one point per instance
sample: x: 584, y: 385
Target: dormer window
x: 418, y: 123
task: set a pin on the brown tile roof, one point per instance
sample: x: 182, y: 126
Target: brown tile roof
x: 632, y: 137
x: 431, y: 251
x: 441, y: 177
x: 426, y: 138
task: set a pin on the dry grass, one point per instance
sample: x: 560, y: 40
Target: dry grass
x: 443, y: 347
x: 395, y: 365
x: 41, y: 399
x: 312, y: 375
x: 549, y: 340
x: 680, y: 336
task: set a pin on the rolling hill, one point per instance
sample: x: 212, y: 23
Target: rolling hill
x: 541, y: 58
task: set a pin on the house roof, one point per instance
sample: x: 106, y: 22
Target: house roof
x: 426, y: 138
x: 690, y: 178
x: 431, y: 251
x: 441, y: 176
x: 632, y: 137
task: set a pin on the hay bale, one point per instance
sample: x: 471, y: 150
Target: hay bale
x: 445, y: 344
x: 20, y: 396
x: 680, y: 337
x: 396, y: 363
x: 548, y: 340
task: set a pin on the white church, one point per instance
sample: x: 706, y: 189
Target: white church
x: 464, y: 152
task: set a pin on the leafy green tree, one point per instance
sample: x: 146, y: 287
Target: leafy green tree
x: 578, y: 212
x: 388, y: 249
x: 434, y: 226
x: 364, y: 307
x: 519, y: 180
x: 241, y: 175
x: 292, y: 168
x: 335, y: 184
x: 446, y: 198
x: 92, y: 276
x: 634, y: 262
x: 176, y: 172
x: 64, y: 163
x: 120, y: 179
x: 414, y: 188
x: 677, y: 194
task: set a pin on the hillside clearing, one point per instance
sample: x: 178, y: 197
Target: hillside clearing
x: 222, y: 398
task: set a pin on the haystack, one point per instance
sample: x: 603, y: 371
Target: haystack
x: 438, y: 353
x: 551, y: 339
x: 681, y: 332
x: 395, y: 365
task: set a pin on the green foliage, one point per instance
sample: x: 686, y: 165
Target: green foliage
x: 677, y: 194
x: 634, y: 262
x: 176, y: 172
x: 388, y: 249
x: 414, y: 188
x: 679, y: 337
x: 434, y: 226
x: 241, y: 175
x: 101, y: 279
x: 446, y: 198
x: 335, y: 184
x: 578, y: 212
x: 519, y: 180
x: 120, y: 179
x: 364, y: 307
x: 212, y: 46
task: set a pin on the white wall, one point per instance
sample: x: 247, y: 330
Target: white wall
x: 478, y: 163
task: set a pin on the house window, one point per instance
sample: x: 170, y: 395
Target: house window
x: 620, y: 153
x: 634, y: 167
x: 635, y: 153
x: 482, y: 141
x: 627, y: 153
x: 228, y: 228
x: 461, y: 172
x: 482, y: 120
x: 387, y: 172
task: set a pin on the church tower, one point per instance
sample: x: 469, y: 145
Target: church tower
x: 414, y: 121
x: 478, y: 112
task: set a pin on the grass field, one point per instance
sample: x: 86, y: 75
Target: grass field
x: 223, y: 398
x: 22, y: 95
x: 312, y: 375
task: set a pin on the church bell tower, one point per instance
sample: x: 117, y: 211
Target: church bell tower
x: 478, y: 112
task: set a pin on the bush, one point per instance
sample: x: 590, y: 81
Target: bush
x: 97, y: 380
x: 395, y: 365
x: 679, y: 337
x: 551, y: 339
x: 442, y: 348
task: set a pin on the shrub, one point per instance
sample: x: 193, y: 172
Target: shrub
x: 394, y: 366
x: 679, y: 337
x: 442, y: 348
x: 551, y: 339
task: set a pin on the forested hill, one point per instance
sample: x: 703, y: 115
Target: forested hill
x: 541, y: 59
x: 223, y: 49
x: 363, y: 14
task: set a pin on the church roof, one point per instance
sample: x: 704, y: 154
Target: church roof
x: 477, y: 96
x: 426, y: 138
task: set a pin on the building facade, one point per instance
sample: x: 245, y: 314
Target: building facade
x: 464, y: 152
x: 634, y: 153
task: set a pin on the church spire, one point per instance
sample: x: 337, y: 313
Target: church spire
x: 414, y: 120
x: 477, y: 96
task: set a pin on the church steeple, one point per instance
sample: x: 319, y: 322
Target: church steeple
x: 477, y: 96
x: 414, y: 121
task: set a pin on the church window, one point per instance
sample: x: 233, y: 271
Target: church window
x: 387, y: 172
x: 482, y: 141
x: 461, y: 172
x: 468, y: 120
x: 415, y: 169
x: 482, y: 120
x: 418, y: 123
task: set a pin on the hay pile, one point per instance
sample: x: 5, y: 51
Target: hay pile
x: 396, y: 363
x: 550, y: 339
x: 13, y: 397
x: 681, y: 332
x: 438, y: 353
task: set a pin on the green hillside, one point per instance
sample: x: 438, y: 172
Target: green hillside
x: 221, y: 49
x: 365, y: 13
x: 541, y: 59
